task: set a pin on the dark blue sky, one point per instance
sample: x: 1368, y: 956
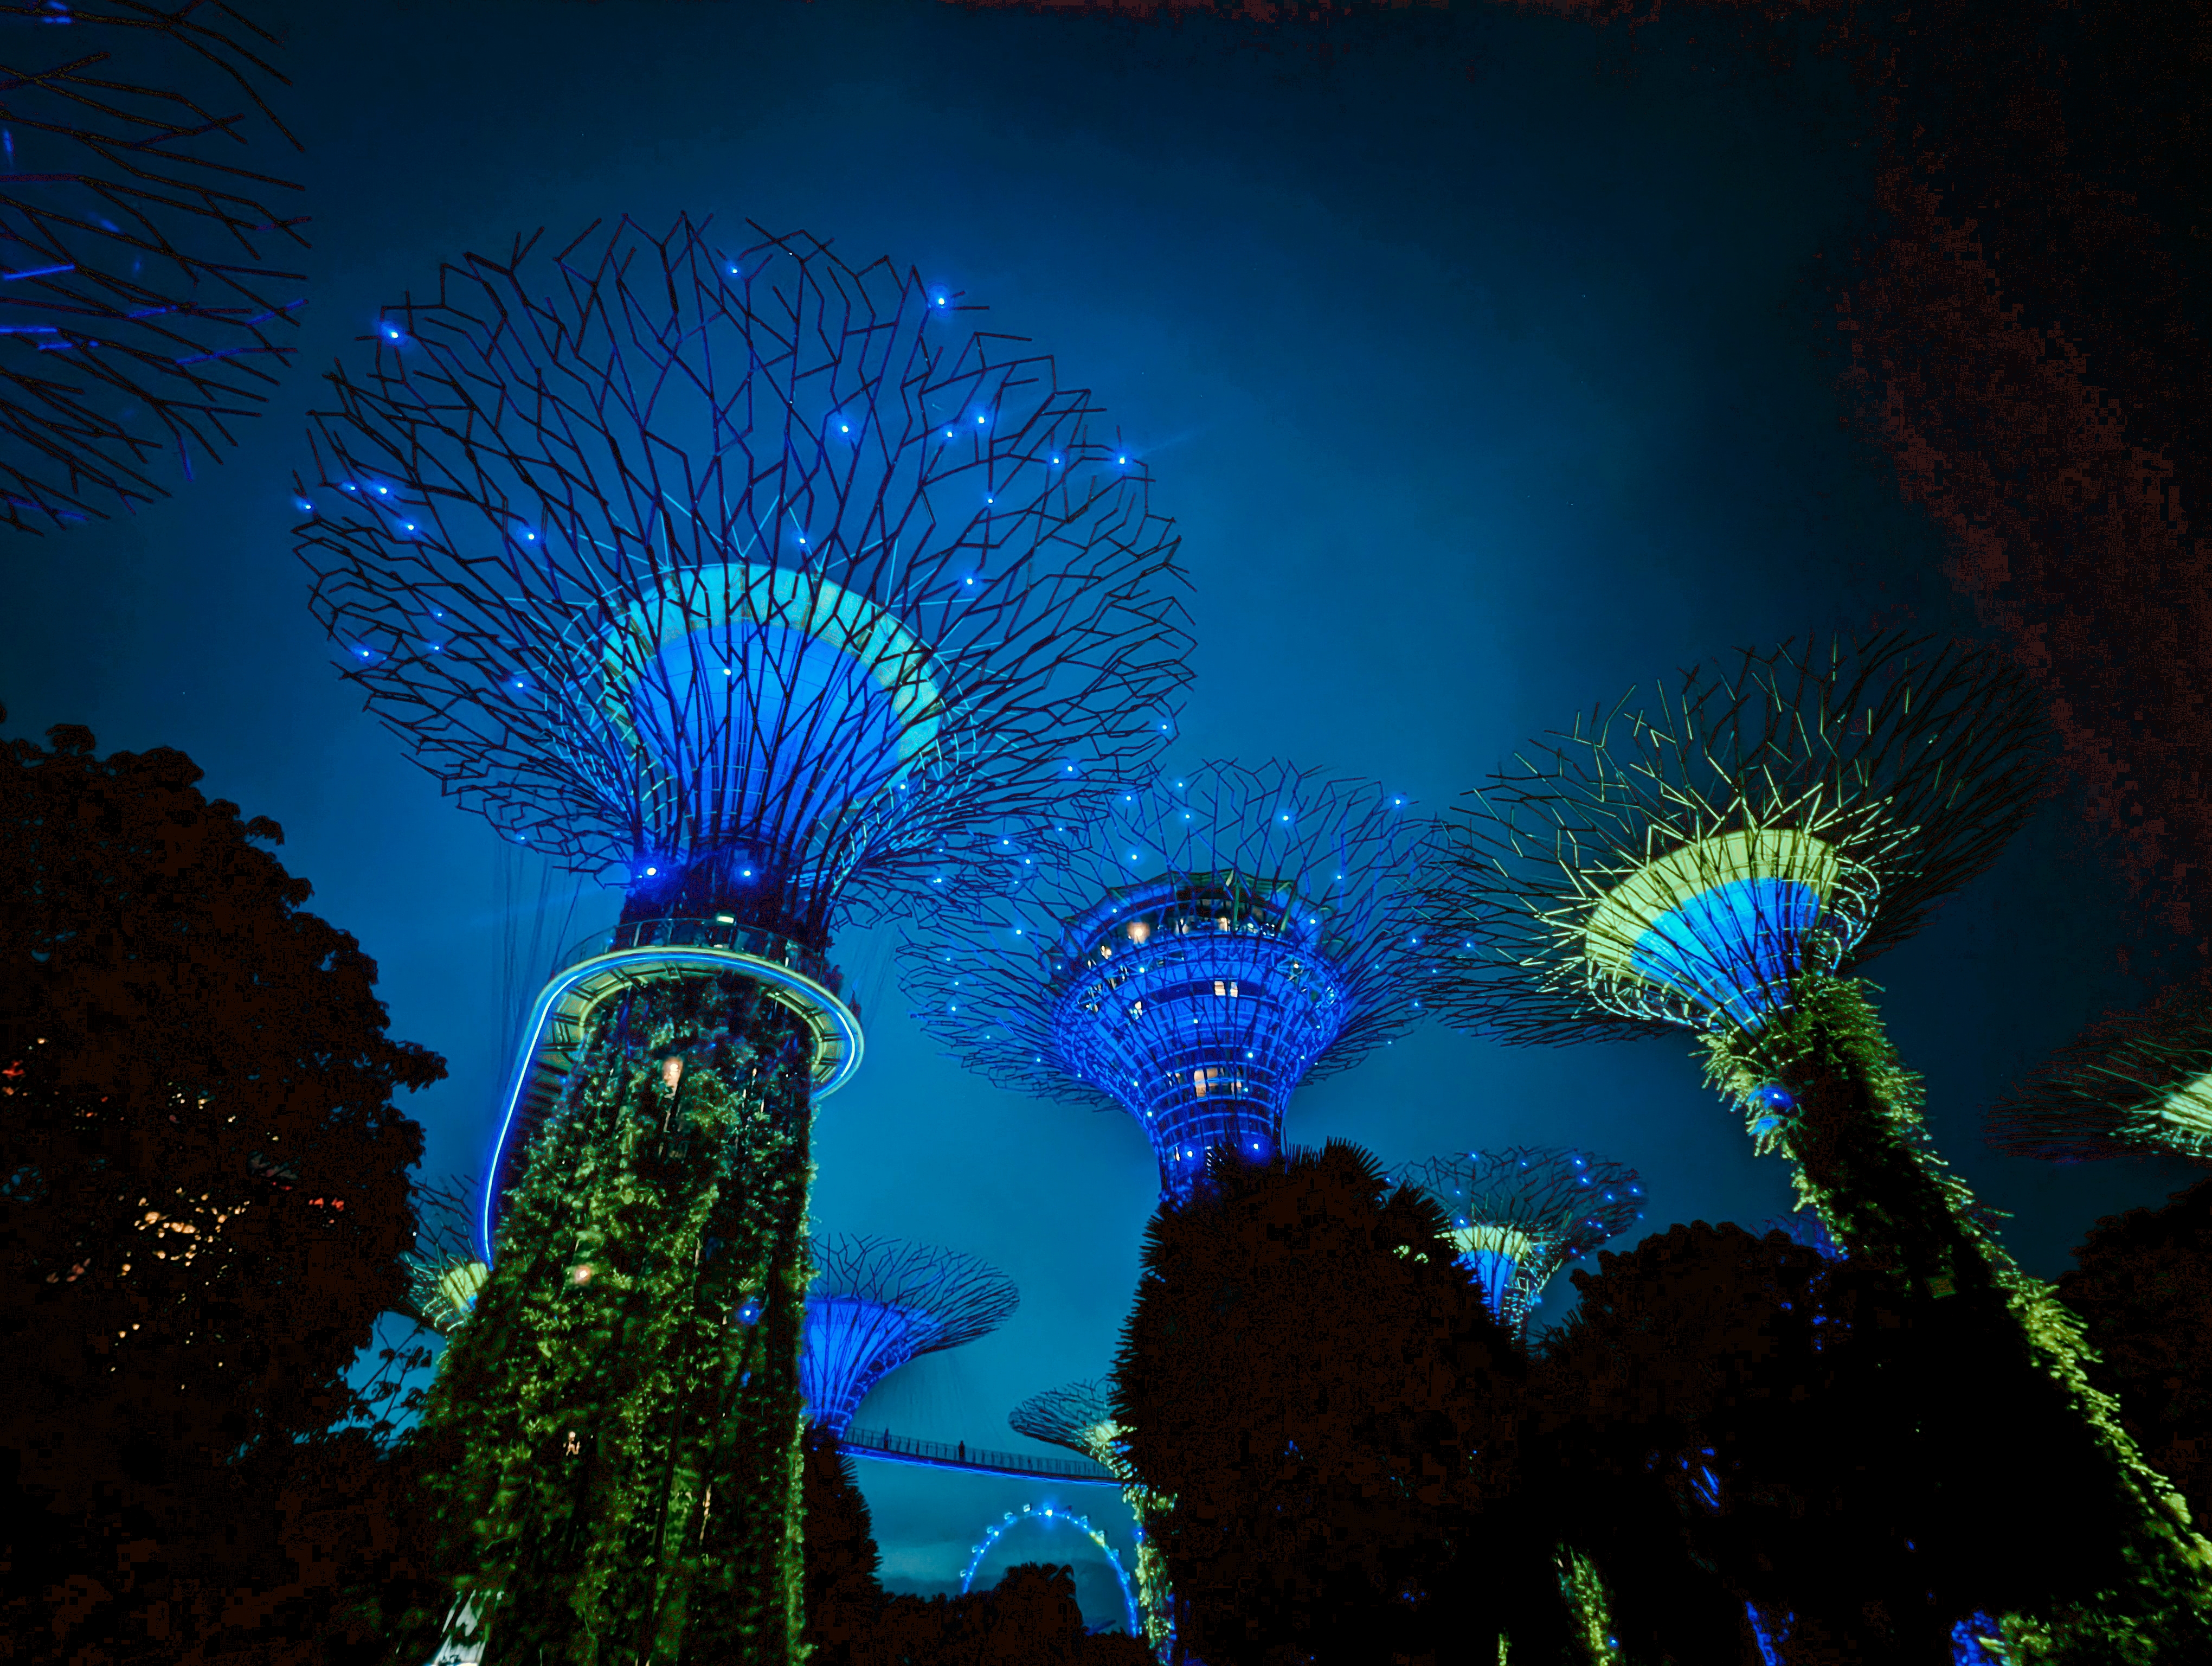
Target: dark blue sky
x: 1479, y: 361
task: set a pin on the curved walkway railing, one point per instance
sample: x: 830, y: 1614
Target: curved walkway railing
x: 645, y: 952
x: 945, y: 1455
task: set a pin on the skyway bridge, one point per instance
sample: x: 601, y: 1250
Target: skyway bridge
x: 890, y: 1448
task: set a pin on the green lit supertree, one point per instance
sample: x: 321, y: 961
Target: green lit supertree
x: 766, y: 588
x: 1080, y: 1417
x: 1721, y: 859
x: 2130, y: 1085
x: 444, y: 1275
x: 1519, y: 1214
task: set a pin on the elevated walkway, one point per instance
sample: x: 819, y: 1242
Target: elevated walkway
x: 883, y: 1444
x: 647, y: 951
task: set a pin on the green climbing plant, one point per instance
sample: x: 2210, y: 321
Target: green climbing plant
x: 612, y: 1443
x: 1864, y: 1164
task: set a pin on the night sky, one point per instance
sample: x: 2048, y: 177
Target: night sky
x: 1483, y: 362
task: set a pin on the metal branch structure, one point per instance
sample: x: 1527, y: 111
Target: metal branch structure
x: 771, y: 590
x: 1213, y: 941
x: 878, y: 1302
x: 1718, y: 860
x: 1519, y: 1214
x: 2134, y: 1083
x: 1079, y: 1416
x: 739, y: 574
x: 1678, y: 861
x: 140, y: 311
x: 444, y: 1277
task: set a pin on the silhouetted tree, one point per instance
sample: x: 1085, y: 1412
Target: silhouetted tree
x: 203, y: 1202
x: 1028, y: 1619
x: 1328, y: 1410
x: 843, y: 1595
x: 1690, y: 1406
x: 2142, y: 1284
x: 1827, y: 1449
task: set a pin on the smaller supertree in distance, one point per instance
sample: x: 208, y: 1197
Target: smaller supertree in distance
x: 877, y: 1303
x: 1516, y: 1216
x: 1718, y: 861
x: 2132, y: 1083
x: 1192, y: 956
x: 1519, y: 1214
x: 444, y: 1275
x: 1079, y: 1416
x: 138, y: 304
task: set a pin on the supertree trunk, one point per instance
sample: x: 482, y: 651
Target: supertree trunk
x: 619, y: 1419
x: 1823, y: 1086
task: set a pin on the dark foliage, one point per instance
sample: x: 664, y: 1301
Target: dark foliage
x: 1825, y: 1447
x: 203, y: 1203
x: 1329, y: 1413
x: 1028, y: 1619
x: 843, y: 1599
x: 142, y: 240
x: 1693, y: 1407
x: 2143, y: 1286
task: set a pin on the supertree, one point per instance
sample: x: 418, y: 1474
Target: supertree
x: 1079, y: 1416
x: 1519, y: 1214
x: 1213, y: 941
x: 2132, y: 1083
x: 761, y: 585
x: 444, y: 1277
x: 137, y: 308
x: 878, y: 1302
x: 1720, y: 860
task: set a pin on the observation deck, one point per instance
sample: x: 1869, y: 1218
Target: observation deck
x: 641, y: 952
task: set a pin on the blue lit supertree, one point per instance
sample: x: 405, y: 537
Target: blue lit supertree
x: 1718, y: 861
x: 878, y: 1302
x: 1214, y: 939
x: 137, y: 307
x: 766, y: 588
x: 1519, y: 1214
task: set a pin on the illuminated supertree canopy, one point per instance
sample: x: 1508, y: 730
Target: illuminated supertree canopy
x: 1215, y: 939
x: 443, y: 1277
x: 770, y: 590
x: 1519, y: 1214
x: 139, y: 312
x: 736, y: 575
x: 878, y: 1302
x: 1680, y: 860
x: 2134, y: 1083
x: 1077, y: 1415
x: 1717, y: 860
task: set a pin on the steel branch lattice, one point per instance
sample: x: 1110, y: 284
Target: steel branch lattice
x: 1877, y: 774
x: 1079, y: 1416
x: 137, y: 305
x: 2135, y: 1082
x: 1213, y: 941
x: 740, y: 570
x: 1519, y: 1214
x: 876, y: 1303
